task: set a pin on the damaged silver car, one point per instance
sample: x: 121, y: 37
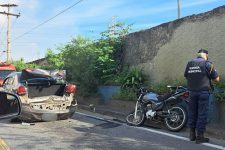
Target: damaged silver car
x: 45, y: 95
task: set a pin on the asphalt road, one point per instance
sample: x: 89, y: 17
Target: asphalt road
x: 84, y: 132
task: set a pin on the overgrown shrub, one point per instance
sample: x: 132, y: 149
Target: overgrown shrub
x: 132, y: 78
x: 55, y: 61
x: 20, y: 65
x: 126, y: 94
x: 161, y: 87
x: 109, y: 52
x: 79, y: 58
x: 219, y: 90
x: 91, y: 62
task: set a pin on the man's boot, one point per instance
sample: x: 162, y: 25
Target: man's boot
x: 192, y: 135
x: 201, y: 139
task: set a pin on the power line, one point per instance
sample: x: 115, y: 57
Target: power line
x: 35, y: 27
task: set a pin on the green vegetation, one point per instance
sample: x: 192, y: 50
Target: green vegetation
x: 20, y: 65
x: 126, y: 94
x: 54, y: 60
x: 220, y: 91
x: 79, y: 60
x: 91, y: 62
x: 132, y: 78
x: 109, y: 53
x: 161, y: 87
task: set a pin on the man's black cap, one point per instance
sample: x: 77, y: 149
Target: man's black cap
x: 203, y: 51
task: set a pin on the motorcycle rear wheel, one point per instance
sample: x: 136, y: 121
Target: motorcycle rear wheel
x: 177, y: 118
x: 138, y: 121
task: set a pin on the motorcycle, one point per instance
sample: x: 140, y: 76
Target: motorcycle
x: 169, y: 108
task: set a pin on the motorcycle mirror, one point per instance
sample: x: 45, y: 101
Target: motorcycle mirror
x: 9, y: 105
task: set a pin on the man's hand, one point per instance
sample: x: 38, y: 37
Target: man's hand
x: 217, y: 79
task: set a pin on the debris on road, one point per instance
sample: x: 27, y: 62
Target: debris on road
x: 27, y: 124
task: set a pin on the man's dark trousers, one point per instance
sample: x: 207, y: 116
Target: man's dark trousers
x: 198, y: 110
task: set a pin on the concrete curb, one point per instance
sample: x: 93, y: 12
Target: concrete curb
x: 117, y: 115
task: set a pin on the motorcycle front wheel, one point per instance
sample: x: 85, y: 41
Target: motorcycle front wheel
x: 138, y: 120
x: 177, y: 118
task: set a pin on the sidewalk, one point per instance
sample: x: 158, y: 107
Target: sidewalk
x: 119, y: 110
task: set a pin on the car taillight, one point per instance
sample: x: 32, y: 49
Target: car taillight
x: 186, y: 94
x: 71, y: 88
x: 21, y: 90
x: 29, y: 69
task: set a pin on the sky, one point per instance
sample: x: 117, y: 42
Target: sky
x: 88, y: 18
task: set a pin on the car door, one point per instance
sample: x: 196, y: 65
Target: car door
x: 10, y: 105
x: 8, y: 83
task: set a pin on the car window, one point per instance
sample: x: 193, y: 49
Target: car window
x: 9, y: 81
x: 5, y: 73
x: 16, y: 80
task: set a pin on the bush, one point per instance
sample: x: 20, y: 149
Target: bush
x: 20, y: 65
x: 126, y: 94
x: 132, y: 78
x: 54, y: 60
x: 79, y: 58
x: 92, y: 62
x: 161, y: 87
x: 220, y: 91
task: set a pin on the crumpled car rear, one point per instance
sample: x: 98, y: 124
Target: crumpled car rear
x: 48, y: 108
x: 46, y: 98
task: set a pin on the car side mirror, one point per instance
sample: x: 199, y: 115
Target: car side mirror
x: 10, y: 105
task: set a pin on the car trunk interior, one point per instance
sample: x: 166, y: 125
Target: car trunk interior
x: 43, y: 87
x: 45, y: 90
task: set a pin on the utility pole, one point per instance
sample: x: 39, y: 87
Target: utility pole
x: 8, y: 51
x: 178, y: 6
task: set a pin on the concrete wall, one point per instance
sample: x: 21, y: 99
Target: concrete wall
x: 164, y: 50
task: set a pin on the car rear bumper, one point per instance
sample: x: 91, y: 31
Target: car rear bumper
x: 30, y: 114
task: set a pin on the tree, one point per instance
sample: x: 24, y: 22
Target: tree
x: 20, y: 65
x: 55, y: 61
x: 91, y: 62
x: 79, y: 58
x: 109, y: 49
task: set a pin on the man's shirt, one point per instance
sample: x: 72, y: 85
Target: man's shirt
x: 210, y: 69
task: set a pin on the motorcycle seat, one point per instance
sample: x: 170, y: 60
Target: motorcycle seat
x: 164, y: 96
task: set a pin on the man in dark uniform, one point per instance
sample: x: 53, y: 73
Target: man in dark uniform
x: 199, y: 73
